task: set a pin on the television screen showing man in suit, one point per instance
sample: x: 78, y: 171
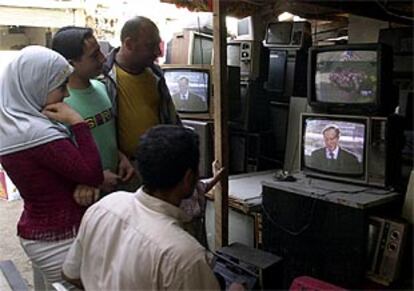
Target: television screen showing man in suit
x: 335, y: 147
x: 188, y: 90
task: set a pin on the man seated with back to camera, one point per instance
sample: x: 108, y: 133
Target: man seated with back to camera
x: 136, y: 242
x: 332, y: 157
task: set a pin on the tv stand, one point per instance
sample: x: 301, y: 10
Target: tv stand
x: 320, y: 227
x: 351, y: 195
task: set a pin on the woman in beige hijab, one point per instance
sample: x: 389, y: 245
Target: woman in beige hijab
x: 47, y: 150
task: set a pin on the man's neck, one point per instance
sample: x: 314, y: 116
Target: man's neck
x: 333, y: 150
x: 77, y: 82
x: 125, y: 65
x: 167, y: 196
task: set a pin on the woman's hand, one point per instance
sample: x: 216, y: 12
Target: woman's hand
x: 62, y: 112
x: 110, y: 181
x: 85, y: 195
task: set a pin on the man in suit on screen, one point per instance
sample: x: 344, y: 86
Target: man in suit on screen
x: 332, y: 157
x: 184, y: 100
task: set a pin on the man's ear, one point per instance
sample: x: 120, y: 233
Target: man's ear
x: 188, y: 178
x: 129, y: 43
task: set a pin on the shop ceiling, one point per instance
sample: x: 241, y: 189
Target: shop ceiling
x: 397, y: 11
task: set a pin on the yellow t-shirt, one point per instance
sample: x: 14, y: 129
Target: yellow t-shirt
x: 138, y: 107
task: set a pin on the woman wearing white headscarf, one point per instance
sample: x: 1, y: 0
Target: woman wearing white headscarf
x: 44, y: 160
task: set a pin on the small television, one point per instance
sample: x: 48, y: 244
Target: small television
x: 293, y: 35
x: 351, y: 79
x: 245, y: 28
x: 190, y: 89
x: 356, y: 149
x: 279, y: 33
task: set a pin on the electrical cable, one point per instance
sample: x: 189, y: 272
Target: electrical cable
x: 292, y: 232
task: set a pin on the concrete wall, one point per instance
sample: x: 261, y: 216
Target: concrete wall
x: 15, y: 41
x: 36, y: 35
x: 41, y: 17
x: 11, y: 41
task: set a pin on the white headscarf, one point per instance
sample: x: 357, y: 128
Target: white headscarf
x: 24, y: 86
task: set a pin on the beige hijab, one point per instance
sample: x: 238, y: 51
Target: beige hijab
x: 24, y: 86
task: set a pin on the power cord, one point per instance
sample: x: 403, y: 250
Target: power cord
x: 289, y: 231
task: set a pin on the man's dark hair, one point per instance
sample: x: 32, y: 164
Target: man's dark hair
x: 165, y: 153
x: 184, y: 78
x: 134, y: 25
x: 69, y: 41
x: 334, y: 127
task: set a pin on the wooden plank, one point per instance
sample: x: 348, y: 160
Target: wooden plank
x: 220, y: 122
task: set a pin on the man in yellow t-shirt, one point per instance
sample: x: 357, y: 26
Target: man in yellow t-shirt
x: 136, y: 86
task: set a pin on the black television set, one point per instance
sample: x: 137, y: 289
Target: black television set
x: 279, y: 33
x: 351, y: 79
x: 357, y: 149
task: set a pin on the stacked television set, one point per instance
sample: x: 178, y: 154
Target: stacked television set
x: 191, y: 90
x: 352, y: 135
x: 288, y: 44
x: 401, y: 40
x: 248, y: 127
x: 190, y: 47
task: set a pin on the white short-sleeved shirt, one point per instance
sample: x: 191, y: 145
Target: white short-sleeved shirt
x: 136, y: 242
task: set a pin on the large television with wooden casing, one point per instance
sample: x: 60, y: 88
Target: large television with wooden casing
x: 358, y: 149
x: 190, y: 47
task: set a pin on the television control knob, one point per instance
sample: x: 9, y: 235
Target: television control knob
x: 395, y: 234
x: 245, y: 54
x: 392, y: 247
